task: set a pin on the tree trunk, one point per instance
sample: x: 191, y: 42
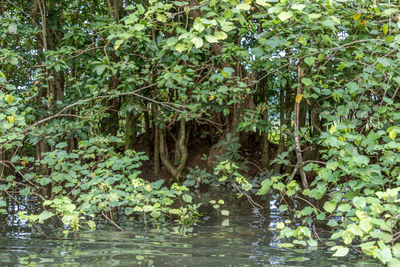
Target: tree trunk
x: 177, y: 171
x: 130, y: 125
x: 299, y: 95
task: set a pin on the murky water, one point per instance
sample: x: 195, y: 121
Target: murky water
x: 242, y: 240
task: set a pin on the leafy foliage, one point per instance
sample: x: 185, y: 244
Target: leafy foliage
x: 83, y: 87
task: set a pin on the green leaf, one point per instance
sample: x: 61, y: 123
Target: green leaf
x: 365, y: 224
x: 359, y: 202
x: 225, y: 212
x: 180, y: 47
x: 314, y: 15
x: 396, y: 250
x: 243, y: 6
x: 187, y: 198
x: 384, y: 255
x: 138, y: 27
x: 340, y: 251
x: 220, y: 35
x: 100, y: 69
x: 283, y: 207
x: 263, y: 3
x: 9, y: 98
x: 394, y: 263
x: 306, y: 81
x: 211, y: 39
x: 45, y: 215
x: 198, y: 26
x: 355, y: 229
x: 329, y: 206
x: 307, y: 211
x: 385, y: 28
x: 285, y: 15
x: 13, y: 60
x: 332, y: 165
x: 299, y: 7
x: 197, y: 41
x: 390, y: 11
x: 309, y: 61
x: 91, y: 224
x: 384, y: 61
x: 161, y: 18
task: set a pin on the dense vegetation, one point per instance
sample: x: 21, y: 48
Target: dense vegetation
x: 140, y: 106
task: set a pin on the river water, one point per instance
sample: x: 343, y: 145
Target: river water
x: 244, y: 239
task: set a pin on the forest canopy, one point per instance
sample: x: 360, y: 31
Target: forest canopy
x: 140, y: 106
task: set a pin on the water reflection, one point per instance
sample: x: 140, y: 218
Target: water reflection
x: 242, y: 240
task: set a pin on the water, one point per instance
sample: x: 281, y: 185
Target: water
x: 242, y: 240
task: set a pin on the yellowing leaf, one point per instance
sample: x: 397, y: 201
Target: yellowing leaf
x: 211, y: 98
x: 280, y: 225
x: 385, y: 29
x: 248, y: 2
x: 357, y: 16
x: 116, y: 47
x: 10, y: 119
x: 9, y: 98
x: 299, y: 97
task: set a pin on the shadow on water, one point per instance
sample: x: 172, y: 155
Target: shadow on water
x: 243, y: 239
